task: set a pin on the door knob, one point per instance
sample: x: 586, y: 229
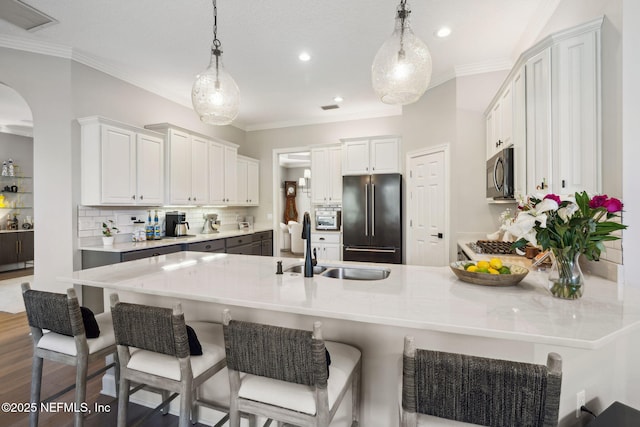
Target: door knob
x: 439, y: 235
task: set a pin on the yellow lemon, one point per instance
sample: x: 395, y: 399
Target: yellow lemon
x: 483, y: 265
x: 472, y: 268
x: 495, y: 263
x: 493, y: 271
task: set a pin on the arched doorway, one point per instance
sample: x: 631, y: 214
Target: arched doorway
x: 16, y: 186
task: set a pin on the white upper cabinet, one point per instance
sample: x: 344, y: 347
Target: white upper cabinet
x: 556, y: 105
x: 196, y: 167
x: 538, y: 75
x: 223, y: 177
x: 500, y: 122
x: 577, y: 152
x: 248, y: 181
x: 326, y: 178
x: 364, y: 156
x: 120, y: 164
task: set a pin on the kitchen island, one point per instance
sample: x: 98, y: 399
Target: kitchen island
x: 597, y: 336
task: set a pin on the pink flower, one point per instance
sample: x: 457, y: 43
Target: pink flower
x: 553, y: 197
x: 597, y: 201
x: 612, y: 205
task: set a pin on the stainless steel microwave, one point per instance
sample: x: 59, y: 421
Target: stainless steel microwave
x: 328, y: 220
x: 500, y: 185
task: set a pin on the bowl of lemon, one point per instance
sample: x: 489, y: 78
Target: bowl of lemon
x: 489, y: 273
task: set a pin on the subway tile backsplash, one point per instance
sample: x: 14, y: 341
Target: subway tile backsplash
x: 90, y: 220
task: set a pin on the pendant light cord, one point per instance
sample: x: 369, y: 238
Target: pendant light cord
x: 216, y: 42
x: 403, y: 14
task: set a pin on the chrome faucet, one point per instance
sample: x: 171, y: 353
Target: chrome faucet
x: 306, y: 234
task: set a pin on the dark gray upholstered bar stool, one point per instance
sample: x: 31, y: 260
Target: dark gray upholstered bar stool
x: 478, y: 390
x: 282, y: 374
x: 65, y: 342
x: 153, y: 348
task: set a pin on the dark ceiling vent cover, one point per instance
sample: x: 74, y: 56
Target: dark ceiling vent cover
x: 330, y: 107
x: 24, y: 16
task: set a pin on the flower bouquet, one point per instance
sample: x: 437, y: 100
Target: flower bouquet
x: 568, y: 228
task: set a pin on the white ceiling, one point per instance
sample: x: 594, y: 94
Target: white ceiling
x: 161, y: 45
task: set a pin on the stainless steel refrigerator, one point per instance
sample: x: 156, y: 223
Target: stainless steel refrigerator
x: 372, y: 218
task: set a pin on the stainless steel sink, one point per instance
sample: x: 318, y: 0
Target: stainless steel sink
x: 317, y: 269
x: 352, y: 273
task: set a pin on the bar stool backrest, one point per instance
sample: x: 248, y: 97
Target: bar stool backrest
x: 155, y: 329
x: 284, y: 354
x: 484, y: 391
x: 56, y: 312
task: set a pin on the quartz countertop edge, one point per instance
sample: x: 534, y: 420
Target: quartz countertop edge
x: 128, y: 246
x: 427, y: 298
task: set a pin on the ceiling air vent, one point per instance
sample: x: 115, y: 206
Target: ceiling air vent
x: 24, y: 16
x: 330, y: 107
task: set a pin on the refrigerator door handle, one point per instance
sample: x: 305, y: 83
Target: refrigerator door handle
x: 366, y: 211
x: 370, y: 250
x: 373, y: 210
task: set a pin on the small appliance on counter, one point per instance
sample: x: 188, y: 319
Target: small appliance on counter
x: 172, y: 219
x: 211, y: 224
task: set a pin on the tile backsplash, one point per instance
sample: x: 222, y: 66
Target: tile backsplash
x: 90, y: 220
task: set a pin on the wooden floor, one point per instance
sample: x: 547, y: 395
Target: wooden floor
x: 16, y: 352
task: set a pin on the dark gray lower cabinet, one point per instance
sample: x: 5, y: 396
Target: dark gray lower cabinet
x: 16, y: 247
x: 260, y: 243
x: 208, y: 246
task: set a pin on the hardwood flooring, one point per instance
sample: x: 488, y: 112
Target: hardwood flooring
x: 16, y: 352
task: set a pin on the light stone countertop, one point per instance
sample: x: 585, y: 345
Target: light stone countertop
x: 128, y: 246
x: 427, y: 298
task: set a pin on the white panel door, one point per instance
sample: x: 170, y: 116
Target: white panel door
x: 539, y: 153
x: 216, y: 173
x: 577, y: 125
x: 355, y: 157
x: 230, y: 174
x: 384, y: 155
x: 179, y: 160
x: 426, y: 234
x: 150, y: 170
x: 319, y: 175
x: 199, y: 171
x: 243, y: 198
x: 118, y: 165
x: 334, y: 192
x: 253, y: 182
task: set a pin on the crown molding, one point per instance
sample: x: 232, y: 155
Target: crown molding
x: 35, y: 46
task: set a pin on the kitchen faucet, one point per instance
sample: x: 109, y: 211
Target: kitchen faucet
x: 306, y: 234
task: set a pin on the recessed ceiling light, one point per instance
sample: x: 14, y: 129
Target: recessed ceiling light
x: 304, y: 56
x: 338, y: 99
x: 443, y: 32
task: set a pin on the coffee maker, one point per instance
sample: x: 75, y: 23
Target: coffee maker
x: 171, y: 219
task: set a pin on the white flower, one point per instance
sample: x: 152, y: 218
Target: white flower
x: 567, y: 212
x: 523, y: 226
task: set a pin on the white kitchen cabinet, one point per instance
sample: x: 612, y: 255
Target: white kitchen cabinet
x: 184, y: 168
x: 223, y: 176
x: 519, y: 132
x: 362, y: 156
x: 575, y: 68
x: 500, y: 122
x: 186, y: 165
x: 326, y: 175
x: 248, y: 181
x: 539, y: 137
x: 327, y: 245
x: 120, y: 164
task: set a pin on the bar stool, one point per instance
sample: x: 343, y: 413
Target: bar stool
x: 153, y: 347
x: 478, y: 390
x: 65, y: 342
x: 282, y: 373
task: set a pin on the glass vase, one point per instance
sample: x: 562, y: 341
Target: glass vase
x: 565, y: 278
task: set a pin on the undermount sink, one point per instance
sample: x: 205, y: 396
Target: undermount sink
x: 317, y: 269
x: 350, y: 273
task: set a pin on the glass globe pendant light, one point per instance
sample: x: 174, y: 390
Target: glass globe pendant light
x: 215, y: 95
x: 401, y: 70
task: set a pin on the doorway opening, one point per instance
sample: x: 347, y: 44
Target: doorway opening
x: 291, y: 198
